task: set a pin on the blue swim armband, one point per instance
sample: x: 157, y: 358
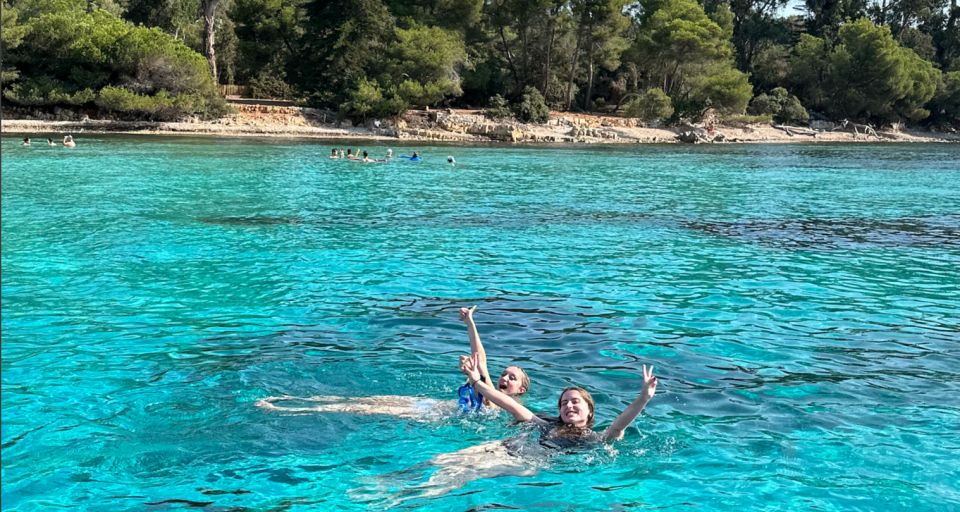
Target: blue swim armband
x: 469, y: 399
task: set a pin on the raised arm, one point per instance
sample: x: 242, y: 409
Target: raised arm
x: 468, y: 365
x: 615, y: 430
x: 476, y: 347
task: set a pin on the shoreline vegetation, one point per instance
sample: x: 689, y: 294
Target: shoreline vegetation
x: 471, y: 126
x: 559, y: 71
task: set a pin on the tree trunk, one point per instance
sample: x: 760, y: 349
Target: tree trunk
x: 506, y: 49
x: 209, y: 12
x: 942, y: 49
x: 573, y: 69
x: 590, y: 67
x: 546, y: 74
x: 525, y: 58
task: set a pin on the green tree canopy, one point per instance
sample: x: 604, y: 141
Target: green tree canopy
x: 871, y: 76
x: 67, y: 55
x: 343, y: 40
x: 11, y: 35
x: 689, y: 56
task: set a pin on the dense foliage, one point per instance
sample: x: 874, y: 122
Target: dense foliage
x: 652, y: 105
x: 878, y: 61
x: 780, y: 105
x: 72, y: 57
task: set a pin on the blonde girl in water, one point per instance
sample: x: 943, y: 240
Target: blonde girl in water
x: 524, y: 454
x: 513, y: 382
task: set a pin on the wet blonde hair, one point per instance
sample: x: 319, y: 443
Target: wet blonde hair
x: 524, y: 379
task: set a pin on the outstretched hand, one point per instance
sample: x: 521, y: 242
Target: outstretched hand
x: 466, y: 315
x: 649, y: 382
x: 470, y: 367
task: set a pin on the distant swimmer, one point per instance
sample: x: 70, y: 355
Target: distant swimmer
x: 68, y: 141
x: 333, y: 154
x: 26, y: 141
x: 389, y: 155
x: 415, y: 157
x: 366, y: 158
x: 451, y: 160
x: 50, y: 142
x: 350, y: 155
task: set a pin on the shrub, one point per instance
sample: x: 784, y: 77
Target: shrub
x: 793, y: 112
x: 82, y: 52
x: 723, y: 88
x: 498, y: 108
x: 43, y: 91
x: 652, y: 105
x: 764, y: 104
x: 270, y: 86
x: 532, y: 108
x: 125, y: 101
x: 368, y: 99
x: 363, y: 99
x: 161, y: 106
x: 392, y: 106
x: 745, y: 119
x: 945, y: 106
x: 780, y: 106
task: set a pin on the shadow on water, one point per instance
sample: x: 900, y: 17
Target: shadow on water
x: 516, y: 327
x: 250, y: 220
x: 828, y: 234
x: 822, y: 234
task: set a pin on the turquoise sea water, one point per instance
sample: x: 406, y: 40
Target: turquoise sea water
x: 801, y: 305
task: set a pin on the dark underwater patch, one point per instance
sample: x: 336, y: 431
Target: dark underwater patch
x: 850, y: 233
x: 252, y: 220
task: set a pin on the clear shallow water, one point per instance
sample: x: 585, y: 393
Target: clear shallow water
x: 800, y: 304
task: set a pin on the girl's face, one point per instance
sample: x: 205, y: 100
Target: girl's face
x: 575, y: 410
x: 511, y: 381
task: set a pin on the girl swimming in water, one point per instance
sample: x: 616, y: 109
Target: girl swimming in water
x: 576, y: 407
x: 523, y: 454
x: 513, y: 382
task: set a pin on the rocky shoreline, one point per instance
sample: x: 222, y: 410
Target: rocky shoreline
x: 447, y: 125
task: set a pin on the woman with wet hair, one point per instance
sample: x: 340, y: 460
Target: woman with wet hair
x: 572, y: 429
x: 513, y: 382
x: 575, y: 408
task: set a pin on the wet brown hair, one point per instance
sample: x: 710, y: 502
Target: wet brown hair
x: 586, y: 397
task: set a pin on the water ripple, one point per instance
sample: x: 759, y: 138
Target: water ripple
x: 800, y: 305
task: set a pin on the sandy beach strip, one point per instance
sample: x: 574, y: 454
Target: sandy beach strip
x: 457, y: 126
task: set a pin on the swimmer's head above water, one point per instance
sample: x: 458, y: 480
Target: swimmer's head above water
x: 513, y: 381
x: 576, y: 407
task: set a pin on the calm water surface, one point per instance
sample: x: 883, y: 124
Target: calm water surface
x: 801, y: 305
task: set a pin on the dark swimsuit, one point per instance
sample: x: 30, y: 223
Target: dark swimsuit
x: 555, y: 436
